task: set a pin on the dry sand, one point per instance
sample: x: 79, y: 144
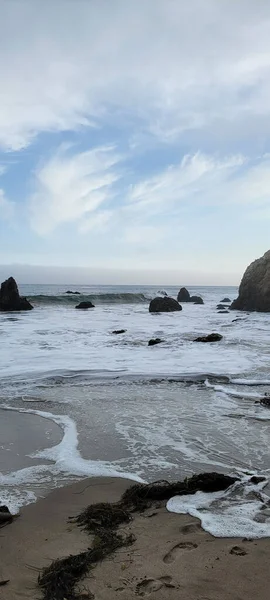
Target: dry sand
x: 172, y: 558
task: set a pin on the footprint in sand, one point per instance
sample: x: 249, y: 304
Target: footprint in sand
x: 147, y: 586
x: 238, y: 551
x: 190, y: 528
x: 173, y: 553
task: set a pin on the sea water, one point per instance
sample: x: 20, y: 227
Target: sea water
x: 126, y: 409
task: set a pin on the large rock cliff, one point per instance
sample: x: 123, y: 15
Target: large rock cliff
x: 254, y: 290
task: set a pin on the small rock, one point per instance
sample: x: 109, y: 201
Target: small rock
x: 118, y: 331
x: 164, y: 304
x: 212, y: 337
x: 85, y: 305
x: 221, y: 307
x: 225, y: 300
x: 154, y: 342
x: 70, y: 292
x: 256, y: 479
x: 183, y: 295
x: 196, y: 300
x: 223, y: 312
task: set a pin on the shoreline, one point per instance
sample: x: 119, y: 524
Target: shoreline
x: 172, y: 557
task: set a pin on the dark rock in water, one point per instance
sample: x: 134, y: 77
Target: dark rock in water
x: 254, y: 290
x: 154, y: 342
x: 164, y: 304
x: 223, y: 312
x: 10, y: 298
x: 256, y: 479
x: 4, y: 509
x: 265, y: 401
x: 118, y: 331
x: 70, y: 292
x: 238, y: 319
x: 196, y: 300
x: 85, y: 305
x: 226, y: 300
x: 183, y: 295
x: 212, y: 337
x: 221, y: 306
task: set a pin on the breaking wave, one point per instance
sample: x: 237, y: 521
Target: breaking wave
x: 73, y: 299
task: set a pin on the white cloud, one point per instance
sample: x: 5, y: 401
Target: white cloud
x: 6, y: 207
x: 173, y: 65
x: 71, y: 187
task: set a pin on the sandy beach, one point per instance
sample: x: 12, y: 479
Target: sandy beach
x: 172, y: 556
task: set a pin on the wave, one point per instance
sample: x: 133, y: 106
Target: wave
x: 73, y: 300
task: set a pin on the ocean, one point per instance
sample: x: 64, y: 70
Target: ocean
x: 78, y: 401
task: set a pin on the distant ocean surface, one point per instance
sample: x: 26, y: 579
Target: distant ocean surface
x: 110, y: 405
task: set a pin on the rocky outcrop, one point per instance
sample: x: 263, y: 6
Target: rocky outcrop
x: 154, y: 342
x: 10, y: 298
x: 184, y: 296
x: 212, y: 337
x: 226, y: 300
x: 254, y: 290
x: 164, y: 304
x: 196, y: 300
x: 85, y: 305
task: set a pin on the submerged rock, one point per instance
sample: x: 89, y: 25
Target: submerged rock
x: 154, y: 342
x: 118, y: 331
x: 212, y: 337
x: 254, y: 290
x: 85, y: 305
x: 10, y: 299
x: 223, y: 312
x: 164, y: 304
x: 70, y: 292
x: 226, y: 300
x: 221, y: 306
x: 183, y: 295
x: 196, y: 300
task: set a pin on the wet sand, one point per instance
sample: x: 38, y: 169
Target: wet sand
x: 22, y: 434
x: 172, y: 557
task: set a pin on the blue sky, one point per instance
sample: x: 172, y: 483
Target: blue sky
x: 134, y: 140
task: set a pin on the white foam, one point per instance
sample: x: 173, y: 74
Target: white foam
x: 15, y: 499
x: 250, y: 382
x: 234, y: 393
x: 241, y: 511
x: 65, y: 457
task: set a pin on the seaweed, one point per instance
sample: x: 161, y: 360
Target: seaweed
x: 58, y: 581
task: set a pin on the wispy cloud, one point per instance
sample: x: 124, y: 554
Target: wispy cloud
x: 70, y: 187
x: 167, y: 66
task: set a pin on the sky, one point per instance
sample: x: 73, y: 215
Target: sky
x: 134, y: 140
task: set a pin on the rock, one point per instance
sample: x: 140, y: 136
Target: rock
x: 196, y: 300
x: 118, y: 331
x: 164, y: 304
x: 226, y: 300
x: 183, y: 295
x: 10, y: 298
x: 212, y: 337
x: 221, y: 306
x: 255, y: 479
x: 223, y: 312
x: 4, y: 509
x: 85, y: 305
x: 70, y: 292
x: 254, y: 290
x: 265, y: 401
x: 154, y: 342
